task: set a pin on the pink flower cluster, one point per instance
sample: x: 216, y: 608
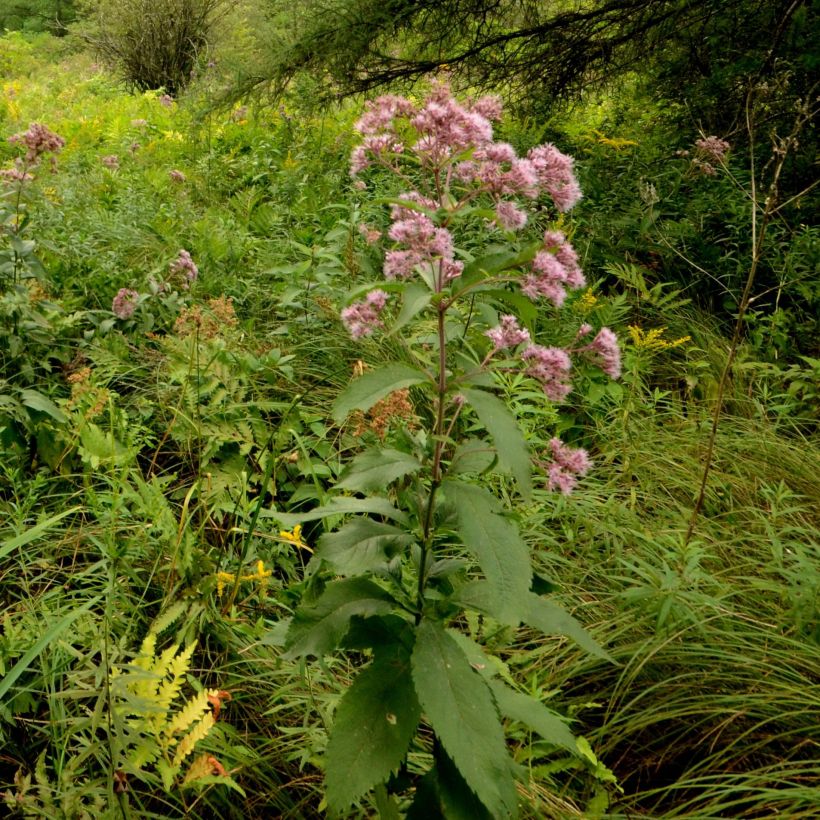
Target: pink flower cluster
x: 710, y: 153
x: 125, y: 303
x: 443, y: 130
x: 550, y: 366
x: 362, y: 318
x: 602, y: 351
x: 567, y: 465
x: 554, y: 269
x: 112, y: 162
x: 38, y: 140
x: 183, y: 268
x: 507, y: 334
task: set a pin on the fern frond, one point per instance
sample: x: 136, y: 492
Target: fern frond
x: 199, y: 732
x: 177, y: 667
x: 189, y: 714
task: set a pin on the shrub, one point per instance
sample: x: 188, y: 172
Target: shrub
x: 155, y: 43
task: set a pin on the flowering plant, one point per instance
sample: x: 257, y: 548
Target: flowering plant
x: 398, y: 588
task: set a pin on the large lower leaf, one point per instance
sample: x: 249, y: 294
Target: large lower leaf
x: 534, y: 714
x: 361, y: 545
x: 317, y: 629
x: 463, y: 715
x: 364, y: 392
x: 494, y: 541
x: 375, y: 469
x: 339, y: 506
x: 553, y: 619
x: 510, y: 444
x: 372, y: 730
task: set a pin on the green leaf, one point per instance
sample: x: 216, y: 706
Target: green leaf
x: 374, y: 469
x: 416, y: 298
x: 372, y: 730
x: 362, y: 393
x: 534, y: 714
x: 553, y: 619
x: 339, y: 506
x: 493, y: 263
x: 463, y: 715
x: 513, y: 454
x: 360, y: 545
x: 37, y: 401
x: 472, y: 456
x: 499, y: 549
x: 317, y: 629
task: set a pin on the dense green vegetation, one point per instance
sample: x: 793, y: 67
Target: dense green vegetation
x: 213, y: 500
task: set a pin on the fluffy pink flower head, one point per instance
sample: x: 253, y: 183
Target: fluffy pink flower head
x: 112, y: 162
x: 16, y: 174
x: 568, y: 463
x: 509, y: 216
x: 712, y: 149
x: 555, y: 175
x: 38, y: 140
x: 362, y: 318
x: 125, y: 303
x: 507, y: 334
x: 373, y: 147
x: 603, y: 351
x: 380, y: 114
x: 554, y: 269
x: 176, y: 175
x: 550, y: 366
x: 184, y: 268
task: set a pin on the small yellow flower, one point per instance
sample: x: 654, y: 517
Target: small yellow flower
x: 613, y: 142
x: 295, y: 537
x: 173, y: 136
x: 588, y: 301
x: 653, y: 340
x: 223, y: 578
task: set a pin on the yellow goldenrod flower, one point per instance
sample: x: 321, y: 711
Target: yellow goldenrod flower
x: 653, y: 340
x: 588, y: 301
x: 613, y: 142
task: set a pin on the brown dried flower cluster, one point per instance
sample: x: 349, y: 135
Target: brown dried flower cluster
x: 84, y: 392
x: 393, y: 409
x: 208, y: 321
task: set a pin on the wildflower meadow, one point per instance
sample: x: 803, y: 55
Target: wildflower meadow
x: 415, y: 425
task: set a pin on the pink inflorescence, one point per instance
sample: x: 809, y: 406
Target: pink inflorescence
x: 603, y: 351
x: 184, y: 268
x: 567, y: 465
x: 112, y: 162
x: 125, y: 303
x: 38, y: 140
x: 554, y: 269
x: 550, y: 366
x: 712, y: 149
x: 507, y: 334
x: 176, y: 175
x: 555, y: 175
x: 362, y: 318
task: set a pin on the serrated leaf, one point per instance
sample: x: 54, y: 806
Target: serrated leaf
x: 366, y: 390
x: 499, y: 549
x: 463, y: 715
x: 528, y: 710
x: 486, y: 665
x: 510, y: 445
x: 416, y: 298
x: 553, y: 619
x: 340, y: 506
x: 37, y: 401
x: 375, y: 722
x: 360, y: 545
x: 317, y: 629
x: 374, y: 469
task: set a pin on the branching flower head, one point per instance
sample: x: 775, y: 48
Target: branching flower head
x: 184, y: 268
x: 507, y: 334
x: 550, y: 366
x: 362, y: 318
x: 125, y: 303
x: 38, y: 140
x: 567, y: 465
